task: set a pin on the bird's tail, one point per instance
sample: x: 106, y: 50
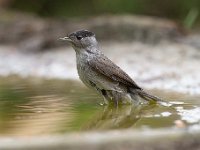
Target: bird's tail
x: 146, y: 96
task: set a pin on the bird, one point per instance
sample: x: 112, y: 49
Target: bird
x: 98, y: 72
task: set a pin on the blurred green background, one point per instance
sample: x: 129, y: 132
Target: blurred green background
x: 185, y: 11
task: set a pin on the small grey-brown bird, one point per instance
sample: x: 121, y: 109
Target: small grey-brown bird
x: 98, y: 72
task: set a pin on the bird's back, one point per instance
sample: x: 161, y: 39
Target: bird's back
x: 105, y: 67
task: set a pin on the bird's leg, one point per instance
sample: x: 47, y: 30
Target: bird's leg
x: 105, y: 96
x: 117, y: 96
x: 127, y: 99
x: 102, y: 92
x: 105, y: 100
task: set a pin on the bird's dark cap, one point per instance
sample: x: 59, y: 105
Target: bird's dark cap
x: 82, y: 33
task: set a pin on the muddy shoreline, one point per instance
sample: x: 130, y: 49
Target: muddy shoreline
x: 158, y: 139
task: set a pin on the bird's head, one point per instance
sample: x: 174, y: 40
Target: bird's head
x: 81, y: 40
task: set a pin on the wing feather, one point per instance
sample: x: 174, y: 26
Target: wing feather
x: 107, y: 68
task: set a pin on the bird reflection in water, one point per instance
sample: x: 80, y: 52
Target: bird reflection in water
x: 123, y: 116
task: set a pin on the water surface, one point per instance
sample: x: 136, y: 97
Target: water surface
x: 37, y: 106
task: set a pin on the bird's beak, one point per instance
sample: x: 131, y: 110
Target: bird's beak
x: 66, y: 39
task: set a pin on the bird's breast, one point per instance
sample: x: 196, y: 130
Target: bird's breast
x: 83, y: 68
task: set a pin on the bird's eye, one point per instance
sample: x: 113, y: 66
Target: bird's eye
x: 79, y: 37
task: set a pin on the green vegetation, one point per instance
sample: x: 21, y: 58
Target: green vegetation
x: 179, y: 9
x: 183, y: 11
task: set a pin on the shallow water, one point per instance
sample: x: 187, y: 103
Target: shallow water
x: 38, y: 106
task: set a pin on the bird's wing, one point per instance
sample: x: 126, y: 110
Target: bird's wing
x: 107, y: 68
